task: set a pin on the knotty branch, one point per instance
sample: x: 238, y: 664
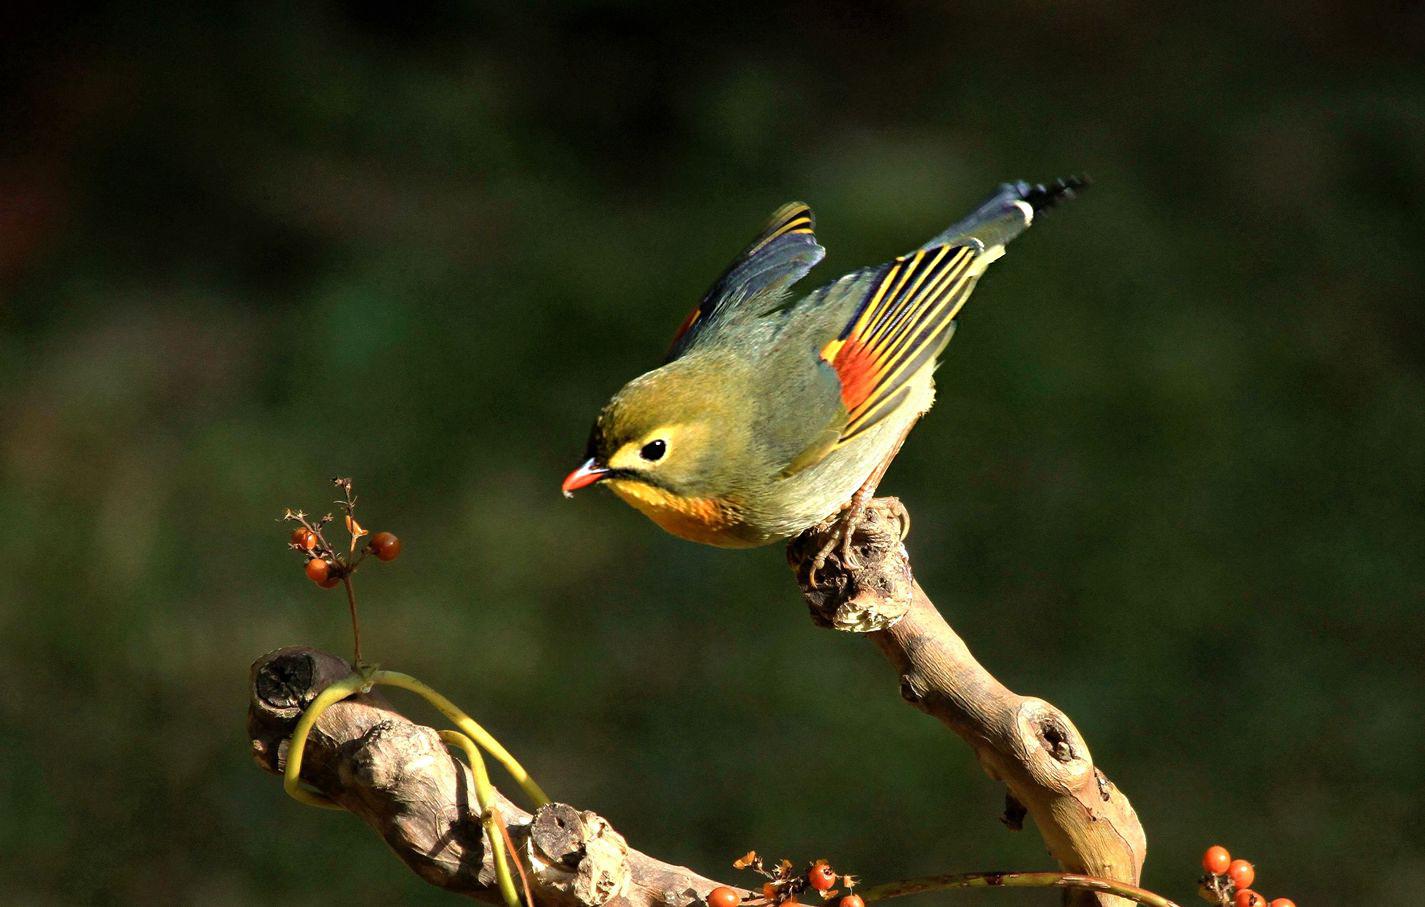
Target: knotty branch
x: 399, y: 777
x: 1024, y: 742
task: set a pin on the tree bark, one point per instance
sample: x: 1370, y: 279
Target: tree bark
x: 1024, y: 742
x: 400, y: 779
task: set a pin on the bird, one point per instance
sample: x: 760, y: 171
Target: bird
x: 773, y: 413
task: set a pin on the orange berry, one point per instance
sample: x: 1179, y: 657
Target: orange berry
x: 851, y: 900
x: 1216, y: 860
x: 304, y: 538
x: 330, y: 582
x: 1242, y: 873
x: 318, y: 570
x: 385, y: 546
x: 1282, y: 902
x: 769, y: 891
x: 1248, y: 898
x: 722, y: 896
x: 821, y: 876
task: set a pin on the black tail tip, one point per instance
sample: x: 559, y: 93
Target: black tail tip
x: 1041, y: 197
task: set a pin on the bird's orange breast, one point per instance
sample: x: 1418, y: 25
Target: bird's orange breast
x: 709, y: 521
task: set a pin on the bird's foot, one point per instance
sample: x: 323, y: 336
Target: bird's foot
x: 839, y: 532
x: 842, y: 533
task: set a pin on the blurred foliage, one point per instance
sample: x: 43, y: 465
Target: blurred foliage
x: 1173, y: 483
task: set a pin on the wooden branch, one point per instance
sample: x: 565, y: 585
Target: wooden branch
x: 399, y: 778
x: 1024, y: 742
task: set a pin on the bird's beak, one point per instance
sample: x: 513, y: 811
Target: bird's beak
x: 587, y: 474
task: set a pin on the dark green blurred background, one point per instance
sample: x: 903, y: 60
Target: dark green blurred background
x: 1173, y: 484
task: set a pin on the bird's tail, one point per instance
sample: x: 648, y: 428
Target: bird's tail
x: 1009, y: 212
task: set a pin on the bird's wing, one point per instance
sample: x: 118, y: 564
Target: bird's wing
x: 900, y: 328
x: 905, y: 316
x: 778, y: 257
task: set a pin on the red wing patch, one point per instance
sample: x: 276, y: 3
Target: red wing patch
x: 688, y: 322
x: 855, y: 365
x: 900, y: 329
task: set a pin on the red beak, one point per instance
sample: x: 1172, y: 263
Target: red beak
x: 587, y: 474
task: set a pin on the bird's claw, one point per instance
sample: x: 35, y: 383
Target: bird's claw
x: 841, y: 533
x: 848, y: 553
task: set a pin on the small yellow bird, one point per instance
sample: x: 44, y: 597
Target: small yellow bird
x: 771, y: 415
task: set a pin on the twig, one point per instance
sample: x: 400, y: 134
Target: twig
x: 292, y: 773
x: 489, y: 817
x: 468, y: 726
x: 514, y: 855
x: 351, y: 605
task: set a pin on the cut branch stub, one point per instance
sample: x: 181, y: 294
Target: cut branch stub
x: 557, y: 832
x: 585, y: 858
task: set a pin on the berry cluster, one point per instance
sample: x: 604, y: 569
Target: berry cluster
x: 784, y: 885
x: 325, y: 565
x: 1228, y: 882
x: 328, y: 567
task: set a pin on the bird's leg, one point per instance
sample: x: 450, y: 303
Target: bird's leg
x: 843, y: 531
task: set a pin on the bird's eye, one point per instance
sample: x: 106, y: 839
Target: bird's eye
x: 654, y: 450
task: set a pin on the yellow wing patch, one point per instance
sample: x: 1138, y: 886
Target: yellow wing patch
x: 900, y: 330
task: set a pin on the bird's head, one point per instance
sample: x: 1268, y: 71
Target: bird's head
x: 660, y: 435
